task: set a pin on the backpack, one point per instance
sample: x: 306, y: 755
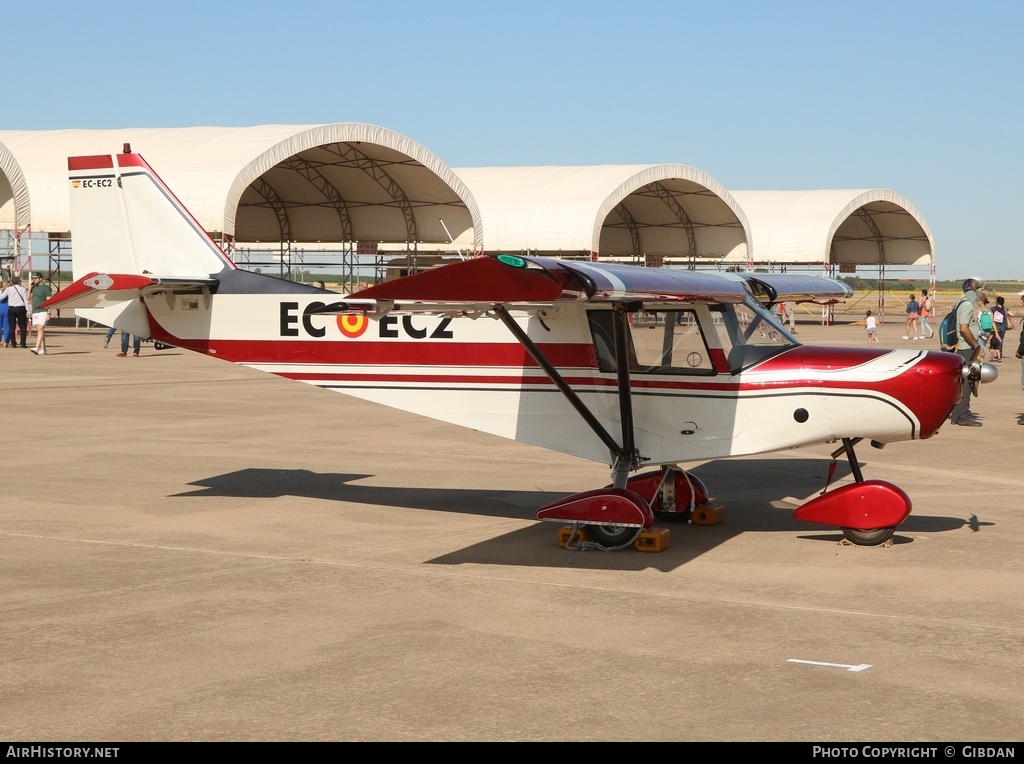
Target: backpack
x: 949, y: 332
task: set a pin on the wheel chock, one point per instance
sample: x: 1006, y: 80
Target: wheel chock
x: 565, y: 533
x: 707, y: 515
x: 652, y: 540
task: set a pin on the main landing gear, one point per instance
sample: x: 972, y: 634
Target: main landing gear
x: 867, y: 511
x: 614, y: 518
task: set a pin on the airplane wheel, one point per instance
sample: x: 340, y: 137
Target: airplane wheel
x: 611, y: 535
x: 873, y: 537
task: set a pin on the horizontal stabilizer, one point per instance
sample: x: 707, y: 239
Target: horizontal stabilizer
x: 101, y: 290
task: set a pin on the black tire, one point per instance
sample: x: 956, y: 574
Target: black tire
x: 873, y: 537
x: 611, y: 535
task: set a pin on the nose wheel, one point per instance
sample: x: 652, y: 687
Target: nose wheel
x: 872, y: 537
x: 866, y: 511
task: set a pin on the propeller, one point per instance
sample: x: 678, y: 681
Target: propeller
x: 975, y: 371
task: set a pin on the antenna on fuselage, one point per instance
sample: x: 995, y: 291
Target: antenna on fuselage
x: 452, y: 240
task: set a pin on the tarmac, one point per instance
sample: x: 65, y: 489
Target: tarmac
x: 195, y: 551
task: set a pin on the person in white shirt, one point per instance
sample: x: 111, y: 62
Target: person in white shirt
x: 872, y: 326
x: 17, y: 310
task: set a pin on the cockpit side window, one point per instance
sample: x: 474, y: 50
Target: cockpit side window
x: 671, y: 342
x: 661, y: 342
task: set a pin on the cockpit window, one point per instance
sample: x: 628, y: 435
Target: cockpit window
x: 749, y: 334
x: 671, y: 342
x: 674, y: 341
x: 661, y: 342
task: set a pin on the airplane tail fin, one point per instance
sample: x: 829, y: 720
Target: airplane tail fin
x: 127, y: 221
x: 131, y: 236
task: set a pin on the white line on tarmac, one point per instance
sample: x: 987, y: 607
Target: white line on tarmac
x: 846, y: 666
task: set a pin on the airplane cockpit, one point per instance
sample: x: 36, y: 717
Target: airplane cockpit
x: 693, y: 340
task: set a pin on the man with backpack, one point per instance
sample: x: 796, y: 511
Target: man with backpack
x: 968, y: 330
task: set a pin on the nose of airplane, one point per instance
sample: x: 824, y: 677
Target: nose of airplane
x: 935, y: 384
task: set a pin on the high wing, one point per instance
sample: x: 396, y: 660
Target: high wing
x: 533, y: 281
x: 785, y: 287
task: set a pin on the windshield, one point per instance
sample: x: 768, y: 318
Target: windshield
x: 750, y: 333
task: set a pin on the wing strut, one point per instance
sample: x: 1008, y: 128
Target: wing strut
x: 625, y: 456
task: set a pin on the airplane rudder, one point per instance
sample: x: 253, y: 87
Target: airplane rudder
x: 164, y: 235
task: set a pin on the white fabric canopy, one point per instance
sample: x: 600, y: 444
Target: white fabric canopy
x: 613, y: 211
x: 338, y: 182
x: 351, y: 182
x: 846, y: 226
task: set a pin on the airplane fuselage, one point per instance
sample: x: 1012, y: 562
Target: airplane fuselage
x: 715, y: 397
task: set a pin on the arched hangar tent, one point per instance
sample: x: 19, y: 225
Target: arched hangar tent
x: 344, y: 182
x: 655, y: 214
x: 838, y: 229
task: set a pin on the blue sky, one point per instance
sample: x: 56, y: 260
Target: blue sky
x: 924, y: 98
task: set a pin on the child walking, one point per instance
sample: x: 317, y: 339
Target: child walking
x: 872, y: 326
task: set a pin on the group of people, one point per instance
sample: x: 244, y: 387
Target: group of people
x: 22, y: 314
x: 993, y: 321
x: 16, y: 305
x: 981, y: 329
x: 977, y: 326
x: 920, y: 311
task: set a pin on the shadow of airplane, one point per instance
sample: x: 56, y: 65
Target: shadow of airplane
x: 751, y: 491
x: 269, y: 483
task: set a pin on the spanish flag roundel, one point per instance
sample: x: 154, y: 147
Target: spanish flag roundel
x: 352, y: 325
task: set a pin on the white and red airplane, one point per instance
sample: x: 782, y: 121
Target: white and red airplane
x: 542, y: 351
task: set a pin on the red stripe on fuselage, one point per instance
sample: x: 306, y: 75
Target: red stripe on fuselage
x: 381, y: 352
x: 821, y: 358
x: 488, y: 357
x: 927, y: 388
x: 417, y: 380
